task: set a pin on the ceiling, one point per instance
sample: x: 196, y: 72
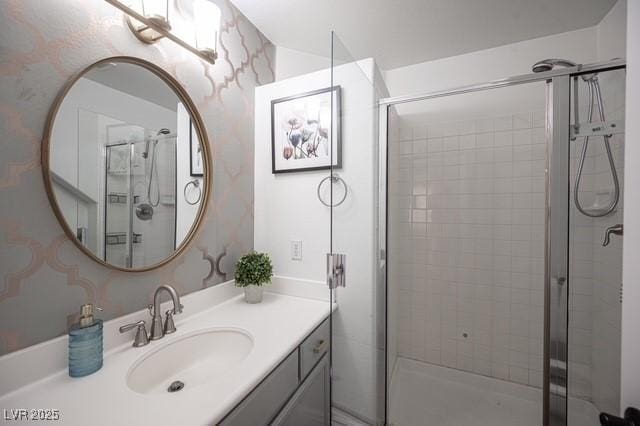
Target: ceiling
x: 403, y: 32
x: 136, y: 81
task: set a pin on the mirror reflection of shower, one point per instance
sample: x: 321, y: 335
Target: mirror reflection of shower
x: 140, y: 226
x: 145, y: 210
x: 595, y: 100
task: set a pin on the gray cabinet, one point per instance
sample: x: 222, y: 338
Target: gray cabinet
x: 264, y: 402
x: 295, y: 393
x: 310, y: 405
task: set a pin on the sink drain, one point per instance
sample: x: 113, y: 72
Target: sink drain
x: 175, y: 386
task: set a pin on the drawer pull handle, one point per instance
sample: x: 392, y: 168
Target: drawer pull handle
x: 321, y: 346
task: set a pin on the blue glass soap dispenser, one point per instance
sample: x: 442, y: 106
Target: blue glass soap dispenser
x: 85, y: 343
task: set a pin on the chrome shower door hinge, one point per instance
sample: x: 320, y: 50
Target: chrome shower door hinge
x: 336, y: 270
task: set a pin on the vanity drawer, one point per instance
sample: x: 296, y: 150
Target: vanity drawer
x: 313, y: 347
x: 266, y: 400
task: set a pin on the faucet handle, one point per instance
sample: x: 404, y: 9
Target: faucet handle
x: 142, y: 338
x: 169, y: 325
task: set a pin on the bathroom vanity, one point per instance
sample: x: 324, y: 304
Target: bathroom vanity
x: 239, y: 364
x: 128, y: 173
x: 302, y: 379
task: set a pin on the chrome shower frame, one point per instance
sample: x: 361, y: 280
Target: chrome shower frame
x: 558, y: 137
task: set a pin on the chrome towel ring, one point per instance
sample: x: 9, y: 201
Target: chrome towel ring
x: 334, y: 178
x: 196, y: 185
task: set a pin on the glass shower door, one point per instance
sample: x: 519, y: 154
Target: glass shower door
x: 357, y: 325
x: 465, y: 241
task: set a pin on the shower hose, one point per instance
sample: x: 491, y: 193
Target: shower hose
x: 595, y: 97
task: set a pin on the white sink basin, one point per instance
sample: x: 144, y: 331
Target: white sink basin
x: 194, y: 359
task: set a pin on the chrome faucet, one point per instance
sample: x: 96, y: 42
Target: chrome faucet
x: 158, y: 330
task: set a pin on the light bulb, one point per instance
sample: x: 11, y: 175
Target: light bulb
x: 207, y: 24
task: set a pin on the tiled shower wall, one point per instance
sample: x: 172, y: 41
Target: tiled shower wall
x: 596, y: 271
x: 467, y: 244
x: 44, y: 278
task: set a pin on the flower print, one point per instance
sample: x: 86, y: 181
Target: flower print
x: 294, y: 122
x: 287, y: 152
x: 306, y: 134
x: 311, y: 150
x: 295, y: 137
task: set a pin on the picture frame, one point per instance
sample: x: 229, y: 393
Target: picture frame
x: 196, y: 162
x: 304, y: 129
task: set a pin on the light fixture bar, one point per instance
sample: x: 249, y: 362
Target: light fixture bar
x: 208, y: 56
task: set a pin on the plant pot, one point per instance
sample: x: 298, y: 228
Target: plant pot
x: 253, y: 294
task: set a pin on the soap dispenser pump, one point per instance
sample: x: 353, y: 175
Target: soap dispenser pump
x: 85, y: 343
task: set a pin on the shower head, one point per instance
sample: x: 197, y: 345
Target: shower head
x: 163, y: 131
x: 549, y: 64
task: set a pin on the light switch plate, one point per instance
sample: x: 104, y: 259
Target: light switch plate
x: 296, y: 250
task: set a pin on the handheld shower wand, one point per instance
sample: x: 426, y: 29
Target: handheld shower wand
x: 595, y: 99
x: 145, y: 210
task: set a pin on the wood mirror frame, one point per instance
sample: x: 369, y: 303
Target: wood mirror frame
x: 197, y: 124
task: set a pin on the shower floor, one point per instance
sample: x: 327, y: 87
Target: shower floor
x: 428, y: 395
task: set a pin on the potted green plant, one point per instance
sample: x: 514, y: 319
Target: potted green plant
x: 253, y: 271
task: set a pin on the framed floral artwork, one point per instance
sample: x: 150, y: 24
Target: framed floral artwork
x: 305, y: 131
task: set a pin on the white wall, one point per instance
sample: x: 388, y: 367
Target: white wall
x: 287, y: 208
x: 491, y: 64
x: 630, y: 370
x: 612, y: 33
x: 292, y: 63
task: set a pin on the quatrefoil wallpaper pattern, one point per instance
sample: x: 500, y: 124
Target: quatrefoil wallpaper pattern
x: 44, y: 278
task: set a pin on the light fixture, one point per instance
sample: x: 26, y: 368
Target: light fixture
x: 149, y: 21
x: 156, y: 12
x: 207, y: 20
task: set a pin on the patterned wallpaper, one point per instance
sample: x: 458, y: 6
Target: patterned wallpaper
x: 44, y: 278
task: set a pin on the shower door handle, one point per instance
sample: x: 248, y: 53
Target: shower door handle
x: 336, y: 270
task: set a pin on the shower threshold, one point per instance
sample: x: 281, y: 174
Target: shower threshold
x: 423, y: 394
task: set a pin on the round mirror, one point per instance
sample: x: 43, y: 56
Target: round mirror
x: 126, y: 164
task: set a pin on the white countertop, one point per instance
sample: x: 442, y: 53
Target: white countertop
x: 277, y: 326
